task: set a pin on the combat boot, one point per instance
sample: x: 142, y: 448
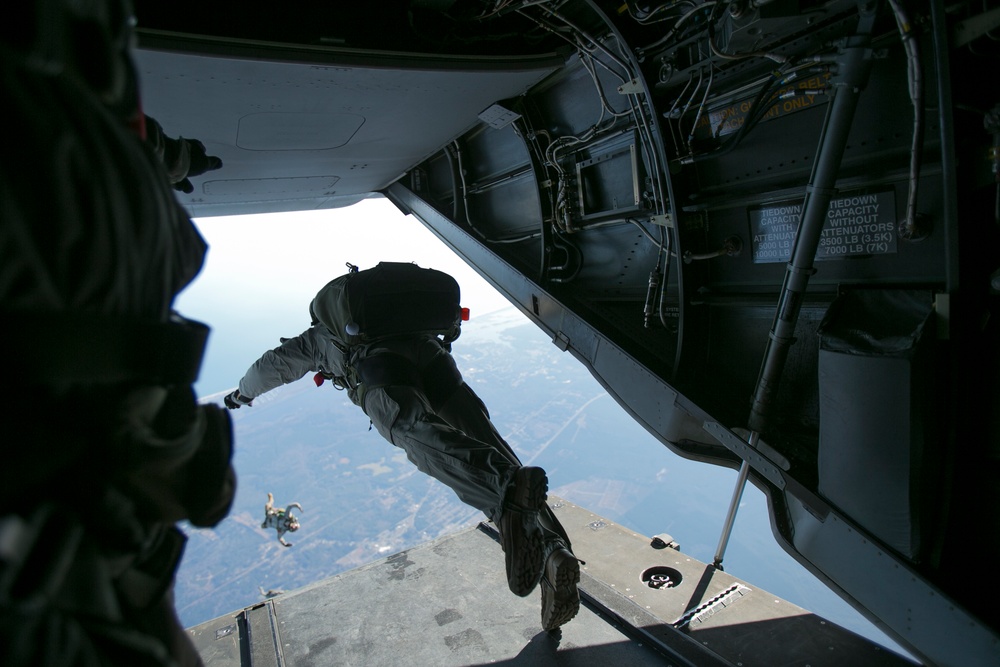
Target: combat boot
x: 560, y: 592
x: 521, y: 535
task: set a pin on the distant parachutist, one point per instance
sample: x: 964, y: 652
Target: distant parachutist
x: 281, y: 520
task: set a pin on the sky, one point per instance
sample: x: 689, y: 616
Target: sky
x: 262, y: 271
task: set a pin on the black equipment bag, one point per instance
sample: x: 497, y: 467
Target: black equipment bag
x: 391, y: 299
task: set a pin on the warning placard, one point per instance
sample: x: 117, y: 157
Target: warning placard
x: 723, y: 120
x: 856, y: 225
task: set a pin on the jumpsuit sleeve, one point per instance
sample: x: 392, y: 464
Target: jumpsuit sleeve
x: 286, y: 363
x: 175, y: 154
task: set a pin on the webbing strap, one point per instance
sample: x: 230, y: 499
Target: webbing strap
x: 441, y: 379
x: 383, y: 370
x: 84, y: 347
x: 438, y: 380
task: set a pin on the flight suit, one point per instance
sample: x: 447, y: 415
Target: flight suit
x: 416, y: 399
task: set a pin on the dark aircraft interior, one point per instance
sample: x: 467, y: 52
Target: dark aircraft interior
x: 769, y: 228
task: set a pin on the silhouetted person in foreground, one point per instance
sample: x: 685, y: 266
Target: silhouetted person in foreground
x: 385, y: 336
x: 105, y: 447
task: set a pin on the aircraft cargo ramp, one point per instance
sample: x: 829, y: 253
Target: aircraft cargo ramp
x: 446, y: 603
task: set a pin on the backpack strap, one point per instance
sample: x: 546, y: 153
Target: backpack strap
x: 384, y: 370
x: 438, y: 380
x: 91, y: 348
x: 441, y: 378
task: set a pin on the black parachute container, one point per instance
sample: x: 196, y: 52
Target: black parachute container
x: 391, y: 299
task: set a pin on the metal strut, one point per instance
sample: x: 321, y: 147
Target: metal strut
x: 734, y: 504
x: 853, y: 66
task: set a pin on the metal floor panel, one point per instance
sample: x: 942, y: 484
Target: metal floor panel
x: 446, y: 602
x: 703, y: 614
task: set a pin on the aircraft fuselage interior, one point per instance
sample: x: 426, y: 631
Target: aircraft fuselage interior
x: 768, y: 227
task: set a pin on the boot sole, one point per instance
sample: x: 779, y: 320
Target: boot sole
x: 560, y: 590
x: 524, y: 550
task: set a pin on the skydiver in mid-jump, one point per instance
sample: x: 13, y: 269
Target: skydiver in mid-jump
x: 393, y: 356
x: 281, y: 520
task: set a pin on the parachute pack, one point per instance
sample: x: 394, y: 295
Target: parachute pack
x: 391, y: 299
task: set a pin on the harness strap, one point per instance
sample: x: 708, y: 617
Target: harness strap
x: 86, y: 347
x: 384, y: 370
x: 438, y: 380
x: 441, y: 379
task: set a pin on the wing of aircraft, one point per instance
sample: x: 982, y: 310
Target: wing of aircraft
x: 765, y: 226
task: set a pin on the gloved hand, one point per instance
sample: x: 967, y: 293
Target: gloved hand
x: 199, y: 163
x: 236, y: 400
